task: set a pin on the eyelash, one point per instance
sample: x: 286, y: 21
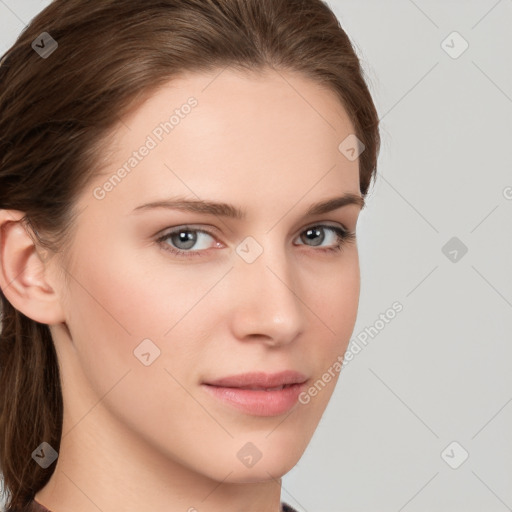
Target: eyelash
x: 343, y: 236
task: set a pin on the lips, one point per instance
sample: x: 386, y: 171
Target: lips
x: 259, y: 393
x: 254, y: 388
x: 260, y: 380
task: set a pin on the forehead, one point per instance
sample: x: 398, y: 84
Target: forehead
x: 228, y: 133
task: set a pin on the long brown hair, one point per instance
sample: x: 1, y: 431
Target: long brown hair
x: 55, y: 116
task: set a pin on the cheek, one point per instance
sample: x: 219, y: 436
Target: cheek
x: 334, y: 306
x: 123, y: 301
x: 334, y: 300
x: 116, y: 307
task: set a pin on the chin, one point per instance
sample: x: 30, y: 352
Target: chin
x: 261, y: 472
x: 259, y: 460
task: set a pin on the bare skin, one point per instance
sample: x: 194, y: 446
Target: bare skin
x: 149, y: 438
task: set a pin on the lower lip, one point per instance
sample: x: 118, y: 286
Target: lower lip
x: 259, y: 402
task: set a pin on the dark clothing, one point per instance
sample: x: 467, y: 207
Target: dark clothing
x: 34, y: 506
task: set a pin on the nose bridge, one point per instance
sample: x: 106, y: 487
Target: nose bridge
x: 267, y: 296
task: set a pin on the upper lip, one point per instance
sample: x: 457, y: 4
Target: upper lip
x: 260, y: 379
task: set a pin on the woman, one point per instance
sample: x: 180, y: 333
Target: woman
x: 180, y: 183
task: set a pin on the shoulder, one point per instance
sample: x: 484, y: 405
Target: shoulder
x: 286, y: 508
x: 32, y: 506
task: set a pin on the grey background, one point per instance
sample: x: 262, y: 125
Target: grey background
x: 438, y: 372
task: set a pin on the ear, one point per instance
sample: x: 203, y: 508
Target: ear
x: 23, y: 274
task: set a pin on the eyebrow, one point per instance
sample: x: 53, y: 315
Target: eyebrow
x: 234, y: 212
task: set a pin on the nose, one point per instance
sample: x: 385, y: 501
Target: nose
x: 266, y: 302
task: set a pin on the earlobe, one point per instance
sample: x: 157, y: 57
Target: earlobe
x: 23, y: 274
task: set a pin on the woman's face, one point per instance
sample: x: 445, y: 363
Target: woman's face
x: 145, y: 327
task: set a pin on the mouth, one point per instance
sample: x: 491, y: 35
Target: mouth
x: 260, y: 380
x: 263, y: 398
x: 254, y: 388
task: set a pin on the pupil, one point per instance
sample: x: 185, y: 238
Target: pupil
x: 188, y: 238
x: 314, y: 232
